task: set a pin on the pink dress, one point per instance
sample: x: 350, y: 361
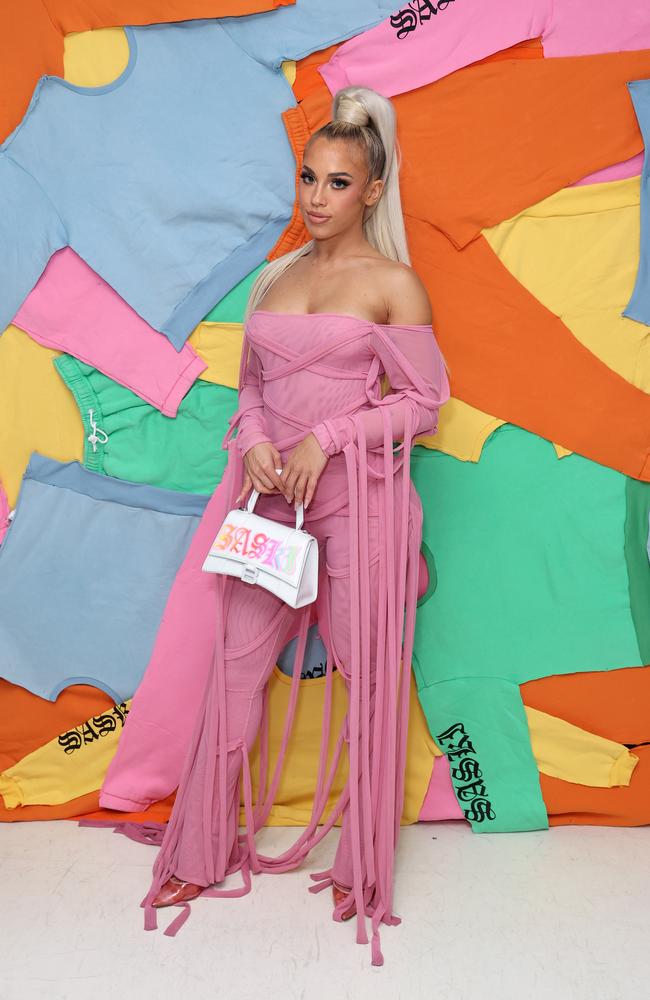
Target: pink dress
x: 317, y: 372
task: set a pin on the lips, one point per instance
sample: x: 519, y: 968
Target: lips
x: 318, y: 218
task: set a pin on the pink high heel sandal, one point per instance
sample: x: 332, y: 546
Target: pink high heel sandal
x: 339, y: 893
x: 175, y: 891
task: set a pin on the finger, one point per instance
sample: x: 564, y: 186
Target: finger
x: 309, y: 492
x: 260, y: 487
x: 261, y: 476
x: 299, y: 491
x: 274, y: 478
x: 290, y: 483
x: 245, y: 488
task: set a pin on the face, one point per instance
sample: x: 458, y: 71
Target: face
x: 333, y: 193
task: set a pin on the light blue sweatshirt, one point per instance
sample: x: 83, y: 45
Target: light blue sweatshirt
x: 638, y: 307
x: 174, y: 181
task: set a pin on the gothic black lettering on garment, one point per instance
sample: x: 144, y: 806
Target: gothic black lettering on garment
x: 464, y: 767
x: 93, y: 729
x: 408, y: 18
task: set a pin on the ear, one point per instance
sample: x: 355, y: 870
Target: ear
x: 374, y: 192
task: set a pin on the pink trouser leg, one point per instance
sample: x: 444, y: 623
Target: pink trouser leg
x: 338, y: 560
x: 258, y: 625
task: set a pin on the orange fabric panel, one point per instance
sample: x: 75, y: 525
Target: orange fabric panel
x: 31, y: 36
x: 30, y: 45
x: 485, y: 142
x: 613, y: 703
x: 28, y: 722
x: 510, y: 356
x: 581, y: 805
x: 80, y: 15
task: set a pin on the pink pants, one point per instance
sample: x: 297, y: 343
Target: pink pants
x: 258, y: 625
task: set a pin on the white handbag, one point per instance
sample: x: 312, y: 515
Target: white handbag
x: 275, y: 556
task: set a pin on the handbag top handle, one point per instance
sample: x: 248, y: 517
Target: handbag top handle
x: 300, y: 511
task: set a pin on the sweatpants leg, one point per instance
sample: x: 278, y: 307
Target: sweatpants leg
x: 258, y: 625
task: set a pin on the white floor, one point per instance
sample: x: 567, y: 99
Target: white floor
x: 555, y: 915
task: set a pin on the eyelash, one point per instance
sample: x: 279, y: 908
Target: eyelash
x: 336, y: 180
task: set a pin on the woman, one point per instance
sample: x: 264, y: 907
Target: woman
x: 324, y: 325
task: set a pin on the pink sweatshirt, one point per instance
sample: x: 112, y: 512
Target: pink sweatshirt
x: 428, y: 39
x: 72, y: 309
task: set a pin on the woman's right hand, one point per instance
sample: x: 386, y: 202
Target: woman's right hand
x: 260, y: 463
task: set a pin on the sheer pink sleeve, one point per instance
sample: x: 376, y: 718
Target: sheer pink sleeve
x: 411, y: 358
x: 249, y: 418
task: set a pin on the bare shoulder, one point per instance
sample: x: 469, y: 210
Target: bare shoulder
x: 407, y: 300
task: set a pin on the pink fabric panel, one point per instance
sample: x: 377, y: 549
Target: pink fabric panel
x: 410, y: 49
x: 72, y: 309
x: 617, y: 172
x: 4, y: 513
x: 440, y: 802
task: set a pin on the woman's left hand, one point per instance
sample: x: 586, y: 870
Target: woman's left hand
x: 302, y: 470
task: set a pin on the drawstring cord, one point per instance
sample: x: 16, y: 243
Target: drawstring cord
x: 97, y: 433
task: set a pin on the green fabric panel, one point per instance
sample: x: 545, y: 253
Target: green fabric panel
x: 487, y: 743
x: 230, y: 309
x: 144, y: 446
x: 531, y: 581
x: 638, y: 567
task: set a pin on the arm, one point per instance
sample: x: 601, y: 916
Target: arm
x: 415, y: 368
x: 250, y: 414
x: 408, y: 353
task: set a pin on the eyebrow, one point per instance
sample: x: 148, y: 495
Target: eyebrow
x: 336, y: 173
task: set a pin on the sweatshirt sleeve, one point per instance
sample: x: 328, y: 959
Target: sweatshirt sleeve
x: 412, y: 360
x: 423, y: 42
x: 250, y: 419
x: 30, y: 232
x: 296, y: 31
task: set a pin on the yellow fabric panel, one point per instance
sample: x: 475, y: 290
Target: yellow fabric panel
x: 578, y: 253
x: 293, y: 801
x: 219, y: 344
x: 95, y: 58
x: 37, y: 412
x: 70, y: 765
x: 573, y: 754
x: 463, y: 430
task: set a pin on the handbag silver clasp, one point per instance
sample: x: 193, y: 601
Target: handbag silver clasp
x: 250, y: 574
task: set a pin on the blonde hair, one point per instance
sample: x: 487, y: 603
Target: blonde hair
x: 361, y: 115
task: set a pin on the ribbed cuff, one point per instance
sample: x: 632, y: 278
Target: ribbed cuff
x: 184, y: 382
x: 323, y: 433
x: 10, y: 792
x: 334, y: 75
x: 622, y: 768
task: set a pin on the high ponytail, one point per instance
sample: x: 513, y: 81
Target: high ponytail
x: 361, y: 115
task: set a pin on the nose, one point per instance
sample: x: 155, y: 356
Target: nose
x: 318, y: 197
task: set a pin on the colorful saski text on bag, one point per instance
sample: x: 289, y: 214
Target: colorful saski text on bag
x: 261, y: 547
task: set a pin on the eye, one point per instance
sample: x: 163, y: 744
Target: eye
x: 339, y: 180
x: 306, y: 177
